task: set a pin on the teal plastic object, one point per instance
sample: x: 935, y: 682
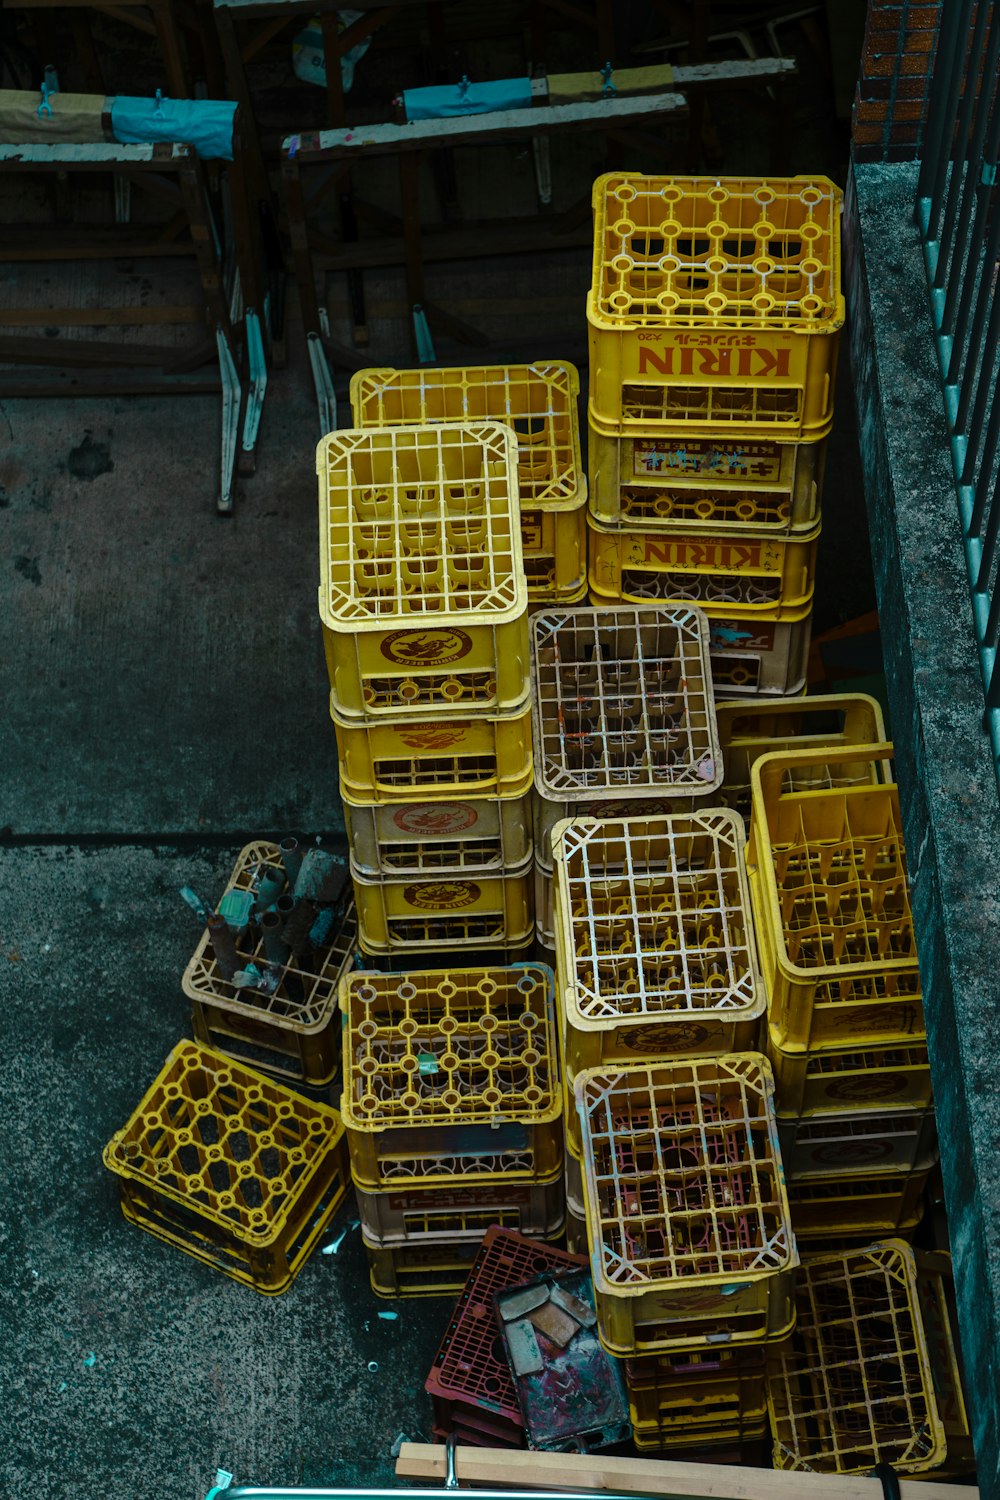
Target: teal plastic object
x: 441, y: 101
x: 235, y: 908
x: 204, y: 124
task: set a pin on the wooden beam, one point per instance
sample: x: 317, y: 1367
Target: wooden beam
x: 500, y: 125
x: 507, y: 1468
x: 98, y: 317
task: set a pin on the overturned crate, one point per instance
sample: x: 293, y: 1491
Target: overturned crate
x: 230, y: 1167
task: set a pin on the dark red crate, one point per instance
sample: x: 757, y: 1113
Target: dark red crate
x: 469, y: 1369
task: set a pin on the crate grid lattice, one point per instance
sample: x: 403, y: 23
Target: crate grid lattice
x: 623, y: 702
x: 419, y: 523
x: 853, y: 1387
x: 682, y: 1175
x: 654, y: 917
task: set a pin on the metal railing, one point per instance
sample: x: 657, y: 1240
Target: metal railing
x: 958, y: 211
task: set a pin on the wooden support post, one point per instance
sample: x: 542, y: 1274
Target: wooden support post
x: 409, y: 197
x: 175, y: 70
x: 298, y: 233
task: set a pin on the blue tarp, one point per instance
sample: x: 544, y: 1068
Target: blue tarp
x: 466, y: 98
x: 205, y: 124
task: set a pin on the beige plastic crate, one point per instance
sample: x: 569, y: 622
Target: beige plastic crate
x: 470, y: 836
x: 452, y: 910
x: 869, y: 1141
x: 422, y: 1215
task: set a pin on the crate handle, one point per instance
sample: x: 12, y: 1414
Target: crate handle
x: 767, y: 771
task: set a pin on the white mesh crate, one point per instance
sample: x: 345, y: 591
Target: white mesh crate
x: 686, y: 1205
x: 622, y: 710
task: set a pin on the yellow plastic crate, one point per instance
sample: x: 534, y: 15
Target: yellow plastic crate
x: 937, y: 1307
x: 451, y: 1073
x: 422, y: 591
x: 293, y: 1033
x: 576, y: 1228
x: 690, y: 484
x: 471, y: 836
x: 853, y: 1388
x: 749, y: 730
x: 544, y: 906
x: 425, y: 759
x: 451, y: 910
x: 715, y: 304
x: 851, y: 1078
x: 835, y: 1206
x: 870, y: 1140
x: 681, y: 1410
x: 743, y: 575
x: 830, y: 895
x: 422, y: 1215
x: 687, y: 1214
x: 555, y: 553
x: 655, y: 947
x: 759, y: 658
x: 538, y: 401
x: 230, y: 1167
x: 622, y: 707
x: 440, y: 1269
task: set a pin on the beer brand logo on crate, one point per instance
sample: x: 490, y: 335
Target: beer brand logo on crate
x: 434, y: 736
x: 436, y: 817
x: 854, y: 1152
x: 426, y: 648
x: 697, y: 556
x: 738, y: 460
x: 669, y: 1039
x: 739, y: 358
x: 868, y: 1086
x: 443, y: 895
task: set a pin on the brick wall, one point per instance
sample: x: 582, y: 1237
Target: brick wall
x: 890, y: 105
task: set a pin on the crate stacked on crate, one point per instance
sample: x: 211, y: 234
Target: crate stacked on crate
x: 845, y: 1025
x: 453, y: 1109
x: 871, y: 1374
x: 424, y: 609
x: 714, y: 317
x: 624, y: 722
x: 655, y: 951
x: 690, y: 1239
x: 539, y: 403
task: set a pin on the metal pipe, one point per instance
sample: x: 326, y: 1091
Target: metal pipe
x: 941, y: 131
x: 962, y: 152
x: 272, y: 883
x: 297, y: 923
x: 223, y: 943
x: 984, y: 386
x: 947, y: 39
x: 973, y: 184
x: 291, y: 858
x: 274, y: 945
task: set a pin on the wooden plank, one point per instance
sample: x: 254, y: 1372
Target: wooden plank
x: 24, y: 349
x: 457, y: 244
x: 511, y: 1469
x: 61, y: 155
x: 500, y: 125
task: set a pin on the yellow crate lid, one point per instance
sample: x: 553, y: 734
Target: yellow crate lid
x: 716, y: 252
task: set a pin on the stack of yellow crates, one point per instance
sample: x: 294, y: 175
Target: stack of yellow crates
x: 453, y: 1111
x: 845, y: 1025
x: 714, y: 317
x: 674, y: 1181
x: 424, y: 610
x: 539, y: 403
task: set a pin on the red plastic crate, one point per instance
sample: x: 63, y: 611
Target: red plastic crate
x: 469, y: 1375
